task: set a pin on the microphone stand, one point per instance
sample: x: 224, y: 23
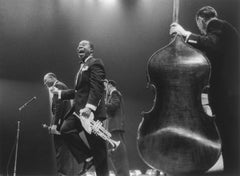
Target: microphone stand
x: 16, y: 151
x: 18, y: 132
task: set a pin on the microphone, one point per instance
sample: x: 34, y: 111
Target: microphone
x: 25, y: 104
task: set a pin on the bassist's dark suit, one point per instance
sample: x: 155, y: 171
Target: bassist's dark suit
x: 221, y: 45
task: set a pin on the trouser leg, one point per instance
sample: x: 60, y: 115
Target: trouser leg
x: 99, y: 152
x: 70, y: 132
x: 119, y: 156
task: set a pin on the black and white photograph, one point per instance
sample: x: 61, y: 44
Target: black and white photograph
x: 119, y: 87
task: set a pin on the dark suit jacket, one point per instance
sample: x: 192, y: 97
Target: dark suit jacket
x: 89, y: 88
x: 114, y: 109
x: 221, y: 45
x: 59, y: 107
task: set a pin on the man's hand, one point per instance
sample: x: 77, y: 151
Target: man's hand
x: 53, y: 130
x: 176, y: 28
x: 54, y: 90
x: 85, y: 112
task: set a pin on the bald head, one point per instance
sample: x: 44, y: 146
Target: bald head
x: 49, y: 79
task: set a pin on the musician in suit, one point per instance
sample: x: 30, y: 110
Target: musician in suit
x: 87, y: 97
x: 118, y: 158
x: 66, y: 164
x: 219, y: 40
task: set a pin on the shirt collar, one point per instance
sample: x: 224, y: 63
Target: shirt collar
x: 112, y: 91
x: 55, y: 83
x: 89, y: 57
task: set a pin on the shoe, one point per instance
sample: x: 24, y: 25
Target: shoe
x: 86, y: 166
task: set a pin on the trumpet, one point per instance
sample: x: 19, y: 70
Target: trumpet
x: 96, y: 127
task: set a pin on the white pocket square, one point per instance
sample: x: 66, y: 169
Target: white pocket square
x: 85, y: 68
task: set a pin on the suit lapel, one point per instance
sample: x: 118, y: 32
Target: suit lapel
x: 78, y: 75
x: 82, y: 68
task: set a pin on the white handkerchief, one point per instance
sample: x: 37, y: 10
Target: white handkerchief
x: 85, y: 68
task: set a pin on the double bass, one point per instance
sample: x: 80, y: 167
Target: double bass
x: 177, y: 136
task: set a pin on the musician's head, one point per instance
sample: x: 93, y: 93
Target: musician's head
x: 49, y: 79
x: 109, y: 85
x: 204, y: 16
x: 85, y: 49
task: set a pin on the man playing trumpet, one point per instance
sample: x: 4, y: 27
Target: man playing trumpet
x: 86, y: 95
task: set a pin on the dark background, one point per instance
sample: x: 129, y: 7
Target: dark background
x: 39, y: 36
